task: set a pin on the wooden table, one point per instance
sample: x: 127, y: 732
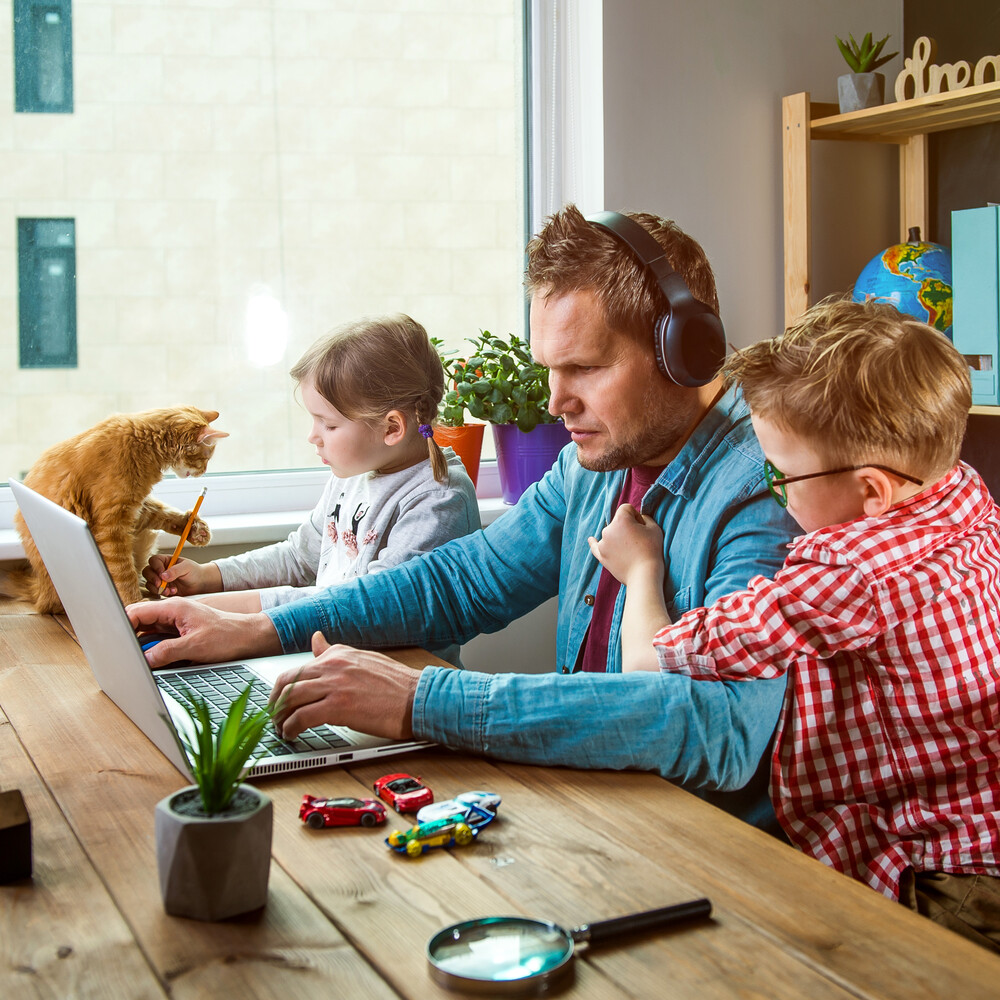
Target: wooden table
x: 347, y: 918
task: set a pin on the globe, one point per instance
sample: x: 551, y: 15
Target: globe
x: 915, y: 277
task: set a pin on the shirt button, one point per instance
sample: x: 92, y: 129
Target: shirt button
x: 589, y: 600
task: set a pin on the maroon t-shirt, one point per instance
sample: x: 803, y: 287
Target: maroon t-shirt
x: 594, y: 651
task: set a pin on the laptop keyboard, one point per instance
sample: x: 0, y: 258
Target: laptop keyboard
x: 220, y: 686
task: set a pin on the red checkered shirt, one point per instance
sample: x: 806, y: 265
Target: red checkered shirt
x: 888, y: 754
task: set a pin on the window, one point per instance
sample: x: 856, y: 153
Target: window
x: 246, y: 178
x: 43, y: 55
x: 46, y: 259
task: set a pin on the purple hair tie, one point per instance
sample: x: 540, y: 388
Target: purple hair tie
x: 426, y: 430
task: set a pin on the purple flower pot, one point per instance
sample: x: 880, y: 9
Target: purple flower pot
x: 522, y: 459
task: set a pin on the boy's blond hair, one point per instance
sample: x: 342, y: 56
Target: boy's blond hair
x: 862, y: 382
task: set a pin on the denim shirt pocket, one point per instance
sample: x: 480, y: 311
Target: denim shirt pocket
x: 680, y: 604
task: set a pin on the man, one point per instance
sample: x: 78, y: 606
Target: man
x: 686, y: 457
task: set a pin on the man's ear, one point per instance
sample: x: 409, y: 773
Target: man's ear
x: 878, y: 491
x: 394, y: 424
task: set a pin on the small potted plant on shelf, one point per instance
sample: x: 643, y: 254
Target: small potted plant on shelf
x: 862, y: 87
x: 451, y: 430
x: 502, y: 384
x: 213, y: 838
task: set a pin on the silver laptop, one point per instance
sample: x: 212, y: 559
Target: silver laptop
x: 148, y: 698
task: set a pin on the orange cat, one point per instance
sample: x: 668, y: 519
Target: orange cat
x: 104, y: 476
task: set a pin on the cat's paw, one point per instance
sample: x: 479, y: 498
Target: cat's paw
x: 199, y: 534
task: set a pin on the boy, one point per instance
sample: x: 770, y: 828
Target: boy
x: 886, y: 612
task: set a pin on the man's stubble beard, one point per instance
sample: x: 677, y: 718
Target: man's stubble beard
x: 659, y: 434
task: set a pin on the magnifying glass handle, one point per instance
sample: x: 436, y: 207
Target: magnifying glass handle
x: 603, y: 930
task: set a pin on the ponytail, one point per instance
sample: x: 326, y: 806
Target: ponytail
x: 439, y: 466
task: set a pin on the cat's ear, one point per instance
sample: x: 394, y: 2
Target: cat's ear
x: 209, y: 415
x: 210, y: 434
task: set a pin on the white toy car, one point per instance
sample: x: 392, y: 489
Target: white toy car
x: 469, y: 805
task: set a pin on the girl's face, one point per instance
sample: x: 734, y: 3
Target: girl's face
x: 349, y: 447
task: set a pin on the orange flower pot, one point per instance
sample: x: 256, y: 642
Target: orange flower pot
x: 467, y: 441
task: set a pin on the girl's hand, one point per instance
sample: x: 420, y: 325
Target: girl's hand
x: 631, y: 544
x: 185, y: 578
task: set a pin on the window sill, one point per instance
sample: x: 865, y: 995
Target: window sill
x: 234, y: 521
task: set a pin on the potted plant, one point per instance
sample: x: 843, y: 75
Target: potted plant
x: 452, y: 430
x: 213, y: 838
x: 502, y: 384
x: 862, y: 87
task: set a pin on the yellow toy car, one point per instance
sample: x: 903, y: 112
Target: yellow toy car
x: 437, y: 833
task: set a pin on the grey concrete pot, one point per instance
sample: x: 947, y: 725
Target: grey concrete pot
x: 860, y: 90
x: 213, y: 867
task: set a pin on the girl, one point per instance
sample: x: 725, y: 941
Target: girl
x: 372, y: 389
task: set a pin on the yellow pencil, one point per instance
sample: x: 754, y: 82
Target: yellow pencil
x: 184, y: 535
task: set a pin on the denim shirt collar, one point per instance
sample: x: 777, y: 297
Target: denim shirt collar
x: 683, y: 473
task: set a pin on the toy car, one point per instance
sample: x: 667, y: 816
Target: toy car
x: 438, y: 833
x: 469, y: 805
x: 318, y: 813
x: 403, y: 792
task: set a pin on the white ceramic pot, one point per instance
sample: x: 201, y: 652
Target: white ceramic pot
x: 213, y: 867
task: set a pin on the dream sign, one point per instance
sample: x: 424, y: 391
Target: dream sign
x: 928, y: 78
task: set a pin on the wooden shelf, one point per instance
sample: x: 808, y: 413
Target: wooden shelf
x: 898, y: 122
x: 905, y: 124
x: 985, y: 411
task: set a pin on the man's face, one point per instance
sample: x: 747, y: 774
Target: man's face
x: 619, y: 409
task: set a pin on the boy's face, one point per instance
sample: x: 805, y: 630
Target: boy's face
x: 814, y: 503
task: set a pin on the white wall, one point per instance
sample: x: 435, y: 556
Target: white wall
x: 692, y: 112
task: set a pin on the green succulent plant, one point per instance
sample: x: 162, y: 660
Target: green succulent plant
x: 217, y: 756
x: 500, y: 383
x: 450, y: 414
x: 863, y: 58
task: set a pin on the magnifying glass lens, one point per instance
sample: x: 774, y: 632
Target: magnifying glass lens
x: 500, y: 949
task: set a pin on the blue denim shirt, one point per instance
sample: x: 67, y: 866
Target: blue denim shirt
x: 720, y: 529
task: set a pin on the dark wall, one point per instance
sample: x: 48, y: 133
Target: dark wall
x: 964, y: 164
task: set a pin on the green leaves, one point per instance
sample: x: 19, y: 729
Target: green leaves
x: 217, y: 757
x: 500, y: 383
x: 863, y: 58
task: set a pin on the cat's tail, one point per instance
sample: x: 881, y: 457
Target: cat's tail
x: 17, y: 583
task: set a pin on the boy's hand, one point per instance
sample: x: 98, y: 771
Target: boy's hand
x: 631, y: 544
x: 185, y: 578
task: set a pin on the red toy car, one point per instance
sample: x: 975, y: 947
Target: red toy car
x: 318, y: 813
x: 403, y: 792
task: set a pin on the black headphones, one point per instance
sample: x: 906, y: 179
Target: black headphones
x: 688, y: 338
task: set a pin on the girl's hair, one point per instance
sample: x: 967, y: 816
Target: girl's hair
x: 371, y: 366
x: 864, y: 383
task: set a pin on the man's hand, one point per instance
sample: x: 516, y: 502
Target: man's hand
x: 632, y: 544
x: 205, y: 635
x: 344, y: 686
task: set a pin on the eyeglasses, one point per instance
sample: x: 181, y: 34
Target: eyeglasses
x: 777, y: 481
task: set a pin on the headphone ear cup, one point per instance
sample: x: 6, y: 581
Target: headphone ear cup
x: 660, y: 344
x: 690, y: 349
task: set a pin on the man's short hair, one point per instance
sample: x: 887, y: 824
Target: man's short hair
x: 862, y: 382
x: 571, y: 255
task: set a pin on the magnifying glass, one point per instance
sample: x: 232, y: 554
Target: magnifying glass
x: 515, y: 955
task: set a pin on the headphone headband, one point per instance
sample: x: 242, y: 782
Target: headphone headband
x: 688, y: 339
